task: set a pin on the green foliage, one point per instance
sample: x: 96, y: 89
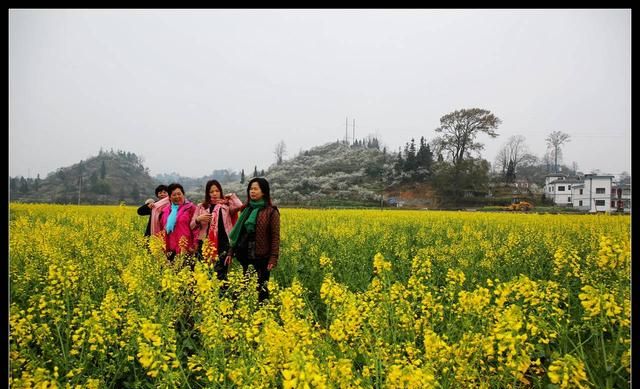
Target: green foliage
x: 469, y: 178
x: 416, y: 166
x: 510, y: 175
x: 101, y: 187
x: 24, y: 186
x: 88, y: 182
x: 459, y: 130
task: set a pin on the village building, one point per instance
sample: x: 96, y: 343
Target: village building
x: 588, y: 192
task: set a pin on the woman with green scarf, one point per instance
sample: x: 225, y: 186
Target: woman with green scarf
x: 255, y: 238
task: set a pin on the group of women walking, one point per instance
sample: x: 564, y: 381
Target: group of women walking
x: 219, y: 229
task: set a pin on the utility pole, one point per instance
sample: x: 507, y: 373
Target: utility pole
x: 354, y: 130
x: 382, y: 190
x: 346, y: 130
x: 79, y: 188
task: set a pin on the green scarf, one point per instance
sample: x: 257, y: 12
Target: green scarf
x: 247, y: 220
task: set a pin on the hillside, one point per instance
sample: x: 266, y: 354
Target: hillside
x: 333, y: 174
x: 327, y: 175
x: 196, y: 185
x: 109, y: 178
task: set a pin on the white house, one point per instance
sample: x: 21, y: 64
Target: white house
x: 558, y: 187
x: 591, y: 192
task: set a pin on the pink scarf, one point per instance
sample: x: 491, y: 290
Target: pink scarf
x: 213, y: 230
x: 155, y: 214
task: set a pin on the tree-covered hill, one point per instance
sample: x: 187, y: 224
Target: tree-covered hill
x: 108, y: 178
x: 334, y: 172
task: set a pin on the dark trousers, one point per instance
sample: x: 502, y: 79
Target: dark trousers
x: 260, y: 264
x: 189, y: 259
x: 221, y: 273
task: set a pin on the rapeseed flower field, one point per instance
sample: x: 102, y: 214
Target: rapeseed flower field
x: 360, y: 299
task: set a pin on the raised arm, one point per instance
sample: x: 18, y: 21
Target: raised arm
x: 234, y: 203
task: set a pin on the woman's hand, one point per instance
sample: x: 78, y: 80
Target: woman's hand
x: 204, y: 218
x: 227, y: 260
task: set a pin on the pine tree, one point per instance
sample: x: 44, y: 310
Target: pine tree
x: 400, y: 162
x: 424, y: 156
x: 510, y: 175
x: 376, y: 143
x: 410, y: 151
x: 242, y: 177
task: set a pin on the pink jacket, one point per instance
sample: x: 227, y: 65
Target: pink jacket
x: 229, y: 216
x: 182, y: 228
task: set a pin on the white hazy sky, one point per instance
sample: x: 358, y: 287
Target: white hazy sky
x: 196, y: 90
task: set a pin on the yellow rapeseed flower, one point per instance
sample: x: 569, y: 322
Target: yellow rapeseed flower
x: 568, y: 372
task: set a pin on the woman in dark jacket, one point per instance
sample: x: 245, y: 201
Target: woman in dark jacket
x: 145, y: 209
x: 255, y: 238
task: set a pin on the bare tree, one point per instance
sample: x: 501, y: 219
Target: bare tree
x: 514, y: 153
x: 459, y: 130
x: 280, y: 151
x: 574, y: 167
x: 502, y: 160
x: 547, y: 159
x: 625, y: 178
x: 554, y: 141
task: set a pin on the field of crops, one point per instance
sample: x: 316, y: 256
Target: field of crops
x: 360, y: 298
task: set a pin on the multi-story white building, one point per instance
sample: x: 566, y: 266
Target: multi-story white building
x: 594, y: 194
x: 591, y: 192
x: 558, y: 187
x: 621, y: 197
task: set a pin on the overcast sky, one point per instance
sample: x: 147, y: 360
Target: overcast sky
x: 196, y: 90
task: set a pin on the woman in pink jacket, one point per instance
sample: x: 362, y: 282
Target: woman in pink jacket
x: 175, y: 221
x: 213, y: 220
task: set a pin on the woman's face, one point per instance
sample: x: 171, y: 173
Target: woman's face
x: 214, y: 193
x: 162, y: 194
x: 255, y: 193
x: 177, y: 197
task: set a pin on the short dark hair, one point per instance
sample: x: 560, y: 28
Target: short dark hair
x: 173, y: 187
x: 161, y: 188
x: 264, y: 187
